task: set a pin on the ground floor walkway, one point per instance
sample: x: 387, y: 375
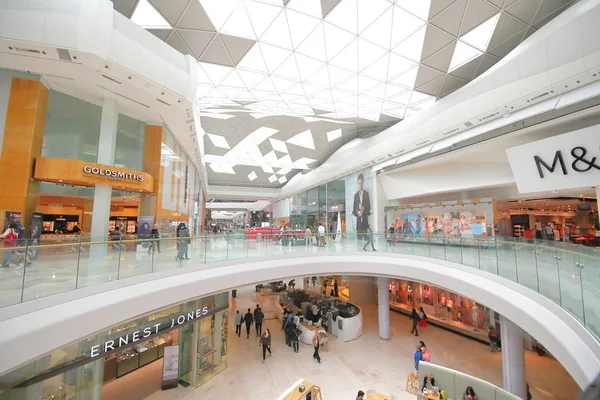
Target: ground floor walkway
x: 366, y: 363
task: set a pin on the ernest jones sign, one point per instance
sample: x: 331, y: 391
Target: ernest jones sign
x: 568, y: 161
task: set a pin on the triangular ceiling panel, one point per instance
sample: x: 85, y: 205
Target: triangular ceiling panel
x: 506, y: 27
x: 426, y: 74
x: 300, y: 26
x: 450, y: 19
x: 175, y: 42
x: 345, y: 16
x: 369, y: 11
x: 237, y: 47
x: 379, y: 32
x: 433, y: 87
x: 308, y: 7
x: 524, y: 10
x: 438, y: 6
x: 451, y: 84
x: 435, y: 39
x: 197, y: 41
x: 194, y: 17
x: 336, y: 40
x: 238, y: 24
x: 261, y: 15
x: 216, y: 53
x: 162, y: 34
x: 477, y: 12
x: 253, y: 60
x: 412, y: 47
x: 278, y: 34
x: 468, y: 70
x: 171, y: 9
x: 404, y: 25
x: 327, y: 6
x: 314, y: 45
x: 441, y: 59
x: 218, y: 10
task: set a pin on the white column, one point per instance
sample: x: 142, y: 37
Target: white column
x: 194, y: 355
x: 383, y: 304
x: 217, y: 337
x: 513, y: 358
x: 103, y: 192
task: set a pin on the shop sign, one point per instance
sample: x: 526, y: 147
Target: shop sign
x: 146, y: 332
x: 568, y: 161
x: 112, y: 174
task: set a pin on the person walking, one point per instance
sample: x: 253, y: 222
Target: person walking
x: 418, y: 357
x: 249, y: 320
x: 335, y: 288
x: 321, y: 237
x: 316, y: 341
x: 10, y: 238
x: 369, y: 239
x: 239, y: 318
x: 183, y: 235
x: 295, y: 338
x: 258, y: 320
x: 265, y: 342
x: 425, y: 353
x: 415, y: 320
x: 494, y: 339
x: 155, y: 243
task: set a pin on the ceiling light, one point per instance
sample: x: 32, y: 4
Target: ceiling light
x: 252, y: 176
x: 283, y: 179
x: 331, y: 136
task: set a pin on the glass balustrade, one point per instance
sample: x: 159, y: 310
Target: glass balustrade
x: 565, y: 273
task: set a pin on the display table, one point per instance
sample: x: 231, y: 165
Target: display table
x: 378, y: 396
x: 428, y: 396
x: 294, y: 393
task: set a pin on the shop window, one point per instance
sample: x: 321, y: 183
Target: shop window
x: 72, y: 128
x: 129, y: 147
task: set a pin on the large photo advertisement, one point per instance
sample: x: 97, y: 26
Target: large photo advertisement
x: 359, y: 198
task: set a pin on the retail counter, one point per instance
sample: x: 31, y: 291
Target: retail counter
x: 124, y: 362
x: 308, y: 331
x: 294, y: 392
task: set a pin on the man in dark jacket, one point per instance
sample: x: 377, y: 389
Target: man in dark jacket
x: 249, y: 320
x: 294, y: 337
x: 258, y: 320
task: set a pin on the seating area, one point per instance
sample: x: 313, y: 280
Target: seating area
x: 455, y: 383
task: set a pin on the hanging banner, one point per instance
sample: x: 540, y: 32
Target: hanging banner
x: 170, y: 376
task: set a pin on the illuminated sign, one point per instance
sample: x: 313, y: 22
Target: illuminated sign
x: 112, y: 174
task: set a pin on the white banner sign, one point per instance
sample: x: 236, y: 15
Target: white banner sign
x: 171, y: 363
x: 568, y: 161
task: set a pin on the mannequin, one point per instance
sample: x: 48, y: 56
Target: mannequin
x: 474, y: 315
x: 443, y: 303
x: 410, y: 295
x: 449, y: 307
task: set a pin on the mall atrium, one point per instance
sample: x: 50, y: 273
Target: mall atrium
x: 199, y: 195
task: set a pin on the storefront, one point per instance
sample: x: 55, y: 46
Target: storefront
x: 184, y: 344
x: 90, y: 168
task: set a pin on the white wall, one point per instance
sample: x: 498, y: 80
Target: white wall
x: 60, y: 323
x: 281, y: 209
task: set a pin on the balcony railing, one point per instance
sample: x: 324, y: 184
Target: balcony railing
x: 567, y: 274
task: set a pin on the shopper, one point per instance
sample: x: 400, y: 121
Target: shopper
x: 469, y: 394
x: 307, y: 234
x: 390, y: 237
x: 258, y: 320
x: 316, y: 341
x: 10, y: 239
x: 295, y: 337
x: 238, y: 322
x: 321, y: 237
x: 425, y: 353
x: 265, y: 342
x: 422, y: 318
x: 335, y: 288
x: 360, y: 395
x: 415, y: 321
x: 288, y: 326
x: 314, y: 281
x: 284, y: 319
x: 249, y: 320
x: 155, y: 243
x: 549, y: 230
x: 369, y: 239
x: 428, y: 381
x: 183, y: 235
x: 529, y: 397
x: 494, y: 338
x: 418, y: 357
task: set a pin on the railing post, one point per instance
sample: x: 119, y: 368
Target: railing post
x: 478, y: 241
x: 516, y: 261
x: 24, y: 270
x: 460, y: 239
x: 497, y: 259
x: 78, y: 261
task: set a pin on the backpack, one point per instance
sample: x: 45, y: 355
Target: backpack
x: 11, y: 239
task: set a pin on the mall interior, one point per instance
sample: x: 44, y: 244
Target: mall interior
x: 198, y: 195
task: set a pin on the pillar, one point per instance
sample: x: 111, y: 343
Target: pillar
x: 513, y: 358
x: 155, y: 136
x: 21, y: 145
x: 195, y: 338
x: 383, y: 305
x: 106, y: 155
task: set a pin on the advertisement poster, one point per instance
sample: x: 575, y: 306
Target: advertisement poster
x: 413, y: 224
x: 12, y: 217
x: 359, y: 191
x: 36, y: 233
x: 464, y: 223
x: 170, y: 367
x: 145, y: 226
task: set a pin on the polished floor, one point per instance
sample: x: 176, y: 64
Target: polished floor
x: 367, y: 363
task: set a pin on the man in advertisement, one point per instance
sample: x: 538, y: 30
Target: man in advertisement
x: 361, y: 208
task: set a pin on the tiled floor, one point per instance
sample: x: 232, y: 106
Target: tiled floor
x: 367, y: 363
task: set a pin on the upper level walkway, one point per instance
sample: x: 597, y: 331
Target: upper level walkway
x: 549, y: 289
x: 567, y: 274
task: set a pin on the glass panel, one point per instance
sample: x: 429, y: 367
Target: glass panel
x: 570, y: 279
x: 526, y: 263
x: 488, y: 255
x: 470, y: 251
x: 129, y: 149
x: 73, y: 121
x: 589, y: 259
x: 547, y: 270
x: 507, y: 264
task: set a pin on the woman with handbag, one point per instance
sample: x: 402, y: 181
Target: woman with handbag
x: 265, y: 342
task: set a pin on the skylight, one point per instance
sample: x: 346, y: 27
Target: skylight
x: 147, y: 17
x: 481, y: 35
x: 252, y: 176
x: 331, y: 136
x: 462, y: 54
